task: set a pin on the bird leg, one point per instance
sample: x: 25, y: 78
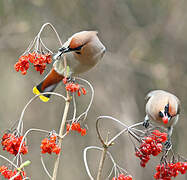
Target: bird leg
x: 168, y: 143
x: 70, y: 79
x: 146, y: 121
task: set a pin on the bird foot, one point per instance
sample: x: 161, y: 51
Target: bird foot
x: 146, y: 124
x: 168, y: 145
x: 70, y: 79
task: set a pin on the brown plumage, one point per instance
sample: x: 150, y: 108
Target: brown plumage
x: 84, y: 50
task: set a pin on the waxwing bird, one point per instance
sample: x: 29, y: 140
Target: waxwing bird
x: 83, y: 51
x: 162, y: 108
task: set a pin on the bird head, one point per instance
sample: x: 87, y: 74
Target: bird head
x: 165, y: 115
x: 79, y: 42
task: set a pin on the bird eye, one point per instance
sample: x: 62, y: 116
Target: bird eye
x: 161, y: 114
x: 78, y: 52
x: 166, y: 108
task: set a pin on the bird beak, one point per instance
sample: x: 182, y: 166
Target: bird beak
x: 61, y: 51
x: 64, y: 50
x: 166, y: 119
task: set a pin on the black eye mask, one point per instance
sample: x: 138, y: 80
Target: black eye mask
x: 166, y: 110
x: 161, y: 114
x: 76, y: 49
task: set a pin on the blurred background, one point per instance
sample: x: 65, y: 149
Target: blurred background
x: 146, y: 49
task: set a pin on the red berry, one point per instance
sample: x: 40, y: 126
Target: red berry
x: 148, y: 139
x: 84, y: 91
x: 48, y: 145
x: 79, y: 93
x: 83, y: 132
x: 67, y: 127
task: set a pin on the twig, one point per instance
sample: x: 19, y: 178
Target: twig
x: 91, y: 100
x: 53, y: 28
x: 31, y: 100
x: 103, y: 156
x: 12, y: 178
x: 85, y: 159
x: 45, y: 169
x: 55, y: 170
x: 8, y: 161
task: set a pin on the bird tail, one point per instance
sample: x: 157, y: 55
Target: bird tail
x: 48, y: 84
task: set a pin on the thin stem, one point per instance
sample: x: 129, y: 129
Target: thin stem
x: 53, y: 28
x: 91, y: 100
x: 103, y: 156
x: 121, y: 132
x: 115, y: 137
x: 85, y: 159
x: 75, y: 108
x: 116, y: 120
x: 134, y: 125
x: 101, y: 164
x: 30, y: 46
x: 111, y: 171
x: 31, y: 100
x: 55, y: 170
x: 8, y: 161
x: 33, y: 129
x: 45, y: 46
x: 43, y: 164
x: 134, y: 135
x: 121, y: 169
x: 12, y: 178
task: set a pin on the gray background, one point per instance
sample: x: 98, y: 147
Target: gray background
x: 146, y: 49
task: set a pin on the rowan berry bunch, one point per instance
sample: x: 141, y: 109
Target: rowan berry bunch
x: 122, y: 177
x: 74, y: 87
x: 7, y: 173
x: 169, y: 170
x: 11, y: 144
x: 151, y: 145
x: 76, y: 127
x: 49, y: 145
x: 38, y: 59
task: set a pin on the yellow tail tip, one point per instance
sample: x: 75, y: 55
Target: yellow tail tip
x: 42, y: 97
x: 35, y: 91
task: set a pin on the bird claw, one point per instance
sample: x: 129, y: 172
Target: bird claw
x: 168, y: 145
x: 146, y: 124
x: 70, y: 79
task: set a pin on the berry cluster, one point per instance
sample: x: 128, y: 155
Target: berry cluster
x: 72, y: 87
x: 122, y: 177
x: 170, y: 170
x: 49, y: 145
x: 11, y: 143
x: 39, y: 60
x: 76, y: 127
x: 9, y: 173
x: 151, y: 145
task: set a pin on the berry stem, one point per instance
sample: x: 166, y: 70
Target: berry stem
x: 8, y: 161
x: 19, y: 127
x: 53, y: 28
x: 55, y: 170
